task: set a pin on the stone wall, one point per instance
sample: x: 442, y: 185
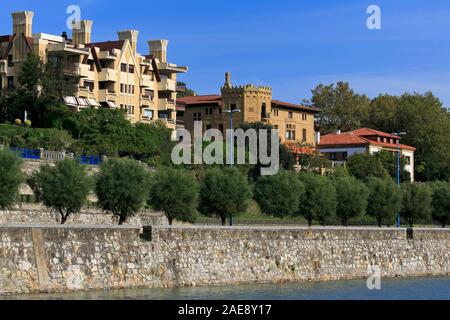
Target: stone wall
x: 43, y: 258
x: 86, y: 217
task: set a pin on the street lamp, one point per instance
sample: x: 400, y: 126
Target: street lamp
x: 398, y: 135
x: 231, y: 111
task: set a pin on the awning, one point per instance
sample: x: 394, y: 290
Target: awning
x: 82, y: 102
x: 93, y: 103
x: 111, y: 104
x: 71, y: 101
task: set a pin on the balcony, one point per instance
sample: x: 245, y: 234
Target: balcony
x: 3, y: 66
x: 107, y: 75
x: 166, y: 104
x: 147, y: 101
x: 146, y: 81
x: 106, y: 95
x: 167, y: 84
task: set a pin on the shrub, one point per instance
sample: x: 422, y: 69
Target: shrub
x: 384, y: 199
x: 319, y: 200
x: 351, y: 198
x: 64, y: 187
x: 11, y: 178
x: 279, y: 195
x: 224, y: 193
x: 441, y: 202
x: 120, y: 187
x: 416, y: 202
x: 175, y: 192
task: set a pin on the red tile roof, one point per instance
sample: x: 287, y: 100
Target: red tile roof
x: 214, y: 99
x: 6, y: 38
x: 107, y: 45
x: 288, y: 105
x: 359, y: 138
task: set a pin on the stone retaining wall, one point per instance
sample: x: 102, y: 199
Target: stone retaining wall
x: 87, y: 217
x: 53, y: 258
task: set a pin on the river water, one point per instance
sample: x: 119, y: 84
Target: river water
x: 437, y: 288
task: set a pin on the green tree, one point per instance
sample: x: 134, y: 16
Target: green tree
x: 279, y: 195
x: 31, y: 73
x: 186, y: 92
x: 441, y: 202
x: 175, y: 192
x: 224, y: 192
x: 416, y: 202
x: 364, y: 165
x: 351, y: 197
x: 11, y: 178
x: 340, y: 107
x: 64, y: 187
x: 389, y: 162
x: 383, y: 113
x: 120, y: 187
x: 319, y: 200
x: 384, y: 200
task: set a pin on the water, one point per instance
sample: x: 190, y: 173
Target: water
x: 392, y: 289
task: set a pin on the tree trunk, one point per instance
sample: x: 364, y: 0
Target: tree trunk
x: 444, y: 224
x: 224, y: 221
x: 170, y: 220
x: 63, y: 219
x: 344, y: 222
x: 379, y: 222
x: 122, y: 220
x: 309, y: 222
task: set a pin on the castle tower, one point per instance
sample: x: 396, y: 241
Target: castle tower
x: 255, y: 102
x: 82, y: 35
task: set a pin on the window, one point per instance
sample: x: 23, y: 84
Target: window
x: 121, y: 87
x: 290, y: 132
x: 290, y: 115
x: 206, y: 111
x: 220, y: 110
x: 275, y: 112
x: 10, y: 61
x: 148, y: 113
x: 198, y: 116
x: 304, y: 116
x: 304, y: 136
x: 211, y: 111
x: 123, y: 67
x: 89, y: 85
x: 275, y: 127
x: 408, y: 161
x: 131, y: 68
x: 10, y: 83
x: 263, y: 111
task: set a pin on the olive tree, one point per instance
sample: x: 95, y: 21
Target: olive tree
x: 175, y: 192
x: 384, y: 199
x: 319, y: 199
x: 122, y: 187
x: 351, y: 198
x: 416, y: 202
x: 63, y: 187
x: 11, y: 178
x: 279, y: 195
x: 224, y: 193
x: 441, y: 202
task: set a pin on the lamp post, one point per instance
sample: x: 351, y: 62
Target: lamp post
x: 398, y: 134
x: 231, y: 111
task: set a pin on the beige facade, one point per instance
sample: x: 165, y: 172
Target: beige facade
x: 111, y: 74
x: 294, y: 122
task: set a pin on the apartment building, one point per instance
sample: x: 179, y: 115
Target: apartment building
x: 294, y: 122
x: 112, y: 74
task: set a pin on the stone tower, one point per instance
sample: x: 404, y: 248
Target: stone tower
x: 255, y: 102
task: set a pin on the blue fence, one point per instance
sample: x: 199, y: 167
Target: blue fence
x: 91, y: 160
x: 27, y: 153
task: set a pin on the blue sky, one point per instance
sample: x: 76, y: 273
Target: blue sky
x: 289, y: 45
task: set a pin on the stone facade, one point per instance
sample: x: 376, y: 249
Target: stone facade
x: 57, y: 259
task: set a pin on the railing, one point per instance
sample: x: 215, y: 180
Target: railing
x: 53, y: 155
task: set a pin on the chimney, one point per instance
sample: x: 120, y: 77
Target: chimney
x: 23, y: 23
x: 158, y: 49
x: 227, y: 80
x: 131, y: 36
x: 318, y: 137
x: 83, y: 34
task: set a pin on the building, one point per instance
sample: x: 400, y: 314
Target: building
x: 111, y: 74
x: 295, y: 122
x: 340, y: 145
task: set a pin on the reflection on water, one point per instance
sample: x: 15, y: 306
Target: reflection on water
x: 392, y: 289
